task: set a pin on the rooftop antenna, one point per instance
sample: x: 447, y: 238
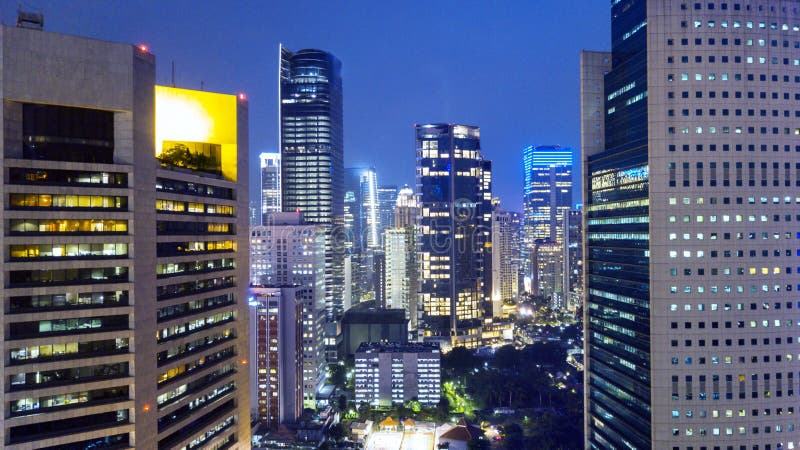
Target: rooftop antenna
x: 30, y: 20
x: 202, y: 85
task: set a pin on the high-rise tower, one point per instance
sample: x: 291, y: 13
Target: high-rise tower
x: 312, y: 153
x: 270, y: 185
x: 124, y: 298
x: 691, y: 252
x: 454, y: 192
x: 547, y: 189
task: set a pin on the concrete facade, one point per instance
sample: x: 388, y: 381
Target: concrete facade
x: 391, y: 373
x: 82, y: 271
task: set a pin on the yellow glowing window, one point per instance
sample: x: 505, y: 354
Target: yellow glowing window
x: 201, y: 126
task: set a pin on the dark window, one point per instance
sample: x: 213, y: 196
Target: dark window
x: 61, y: 133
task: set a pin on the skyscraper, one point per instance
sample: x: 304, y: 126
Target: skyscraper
x: 122, y: 310
x: 505, y: 271
x: 402, y: 277
x: 270, y: 184
x: 312, y: 153
x: 547, y: 197
x: 276, y: 319
x: 361, y: 202
x: 547, y: 190
x: 290, y: 252
x: 691, y: 253
x: 406, y: 209
x: 455, y: 229
x: 387, y: 199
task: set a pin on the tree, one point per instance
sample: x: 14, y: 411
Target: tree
x: 514, y: 438
x: 506, y: 358
x: 336, y: 375
x: 414, y: 405
x: 341, y: 402
x: 337, y: 432
x: 443, y: 409
x: 460, y: 361
x: 478, y: 443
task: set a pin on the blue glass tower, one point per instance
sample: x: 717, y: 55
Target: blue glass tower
x: 312, y: 153
x: 617, y: 248
x: 547, y: 189
x: 454, y: 192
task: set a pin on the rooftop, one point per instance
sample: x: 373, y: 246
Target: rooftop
x: 398, y: 347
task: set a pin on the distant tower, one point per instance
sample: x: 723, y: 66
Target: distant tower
x: 505, y: 269
x: 406, y: 208
x: 270, y: 184
x: 387, y: 198
x: 362, y: 219
x: 547, y: 197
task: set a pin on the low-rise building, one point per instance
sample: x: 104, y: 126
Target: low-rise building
x: 388, y: 373
x: 368, y: 322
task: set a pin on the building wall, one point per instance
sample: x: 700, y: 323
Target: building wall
x: 277, y: 370
x: 118, y: 361
x: 387, y: 374
x: 270, y: 185
x: 287, y: 253
x: 705, y: 309
x: 312, y: 154
x: 455, y: 229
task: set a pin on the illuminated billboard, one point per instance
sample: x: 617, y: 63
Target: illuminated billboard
x: 196, y: 130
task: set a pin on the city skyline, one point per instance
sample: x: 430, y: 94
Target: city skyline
x: 415, y: 86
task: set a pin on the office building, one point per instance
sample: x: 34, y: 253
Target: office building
x: 95, y: 198
x: 547, y: 196
x: 361, y: 200
x: 547, y: 260
x: 406, y: 209
x: 691, y: 251
x: 573, y: 260
x: 270, y: 185
x: 393, y: 373
x: 312, y: 154
x: 277, y: 353
x: 547, y: 190
x: 379, y: 277
x: 454, y: 196
x: 505, y: 268
x: 292, y: 252
x: 369, y: 322
x: 387, y: 199
x: 400, y: 285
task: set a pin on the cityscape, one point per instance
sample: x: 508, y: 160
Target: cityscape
x: 180, y: 273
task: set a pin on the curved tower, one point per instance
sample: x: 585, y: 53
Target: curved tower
x: 312, y: 152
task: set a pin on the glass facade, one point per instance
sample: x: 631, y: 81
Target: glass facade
x: 270, y: 184
x: 454, y: 192
x: 617, y: 262
x: 691, y: 254
x: 312, y: 153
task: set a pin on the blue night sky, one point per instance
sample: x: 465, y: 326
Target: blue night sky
x: 510, y: 67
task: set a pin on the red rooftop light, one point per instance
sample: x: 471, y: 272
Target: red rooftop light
x: 242, y: 96
x: 143, y: 48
